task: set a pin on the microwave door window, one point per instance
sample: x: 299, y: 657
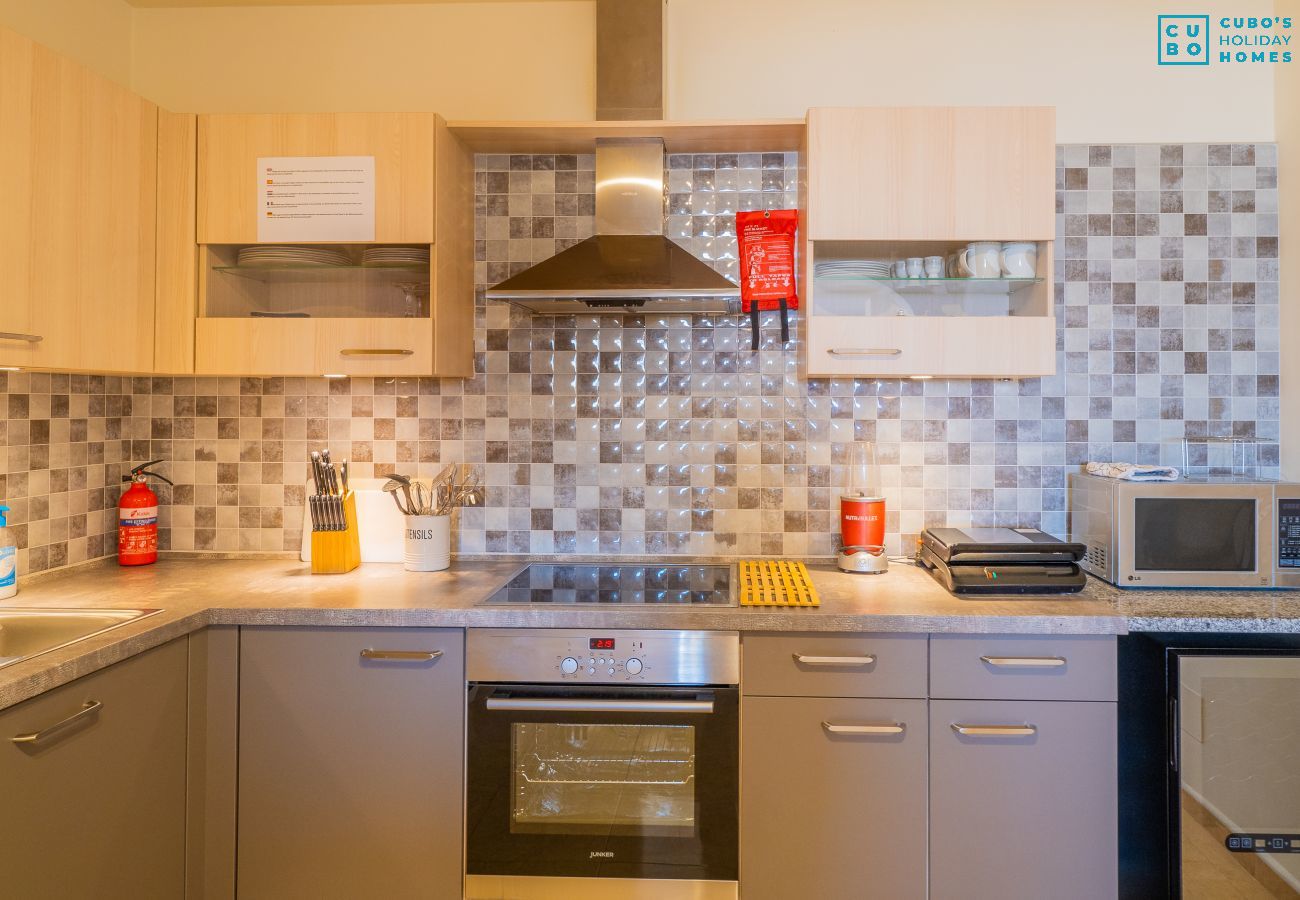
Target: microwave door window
x: 603, y: 779
x: 1193, y: 535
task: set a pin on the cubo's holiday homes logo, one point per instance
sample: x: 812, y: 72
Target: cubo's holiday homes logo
x: 1183, y: 40
x: 1186, y: 40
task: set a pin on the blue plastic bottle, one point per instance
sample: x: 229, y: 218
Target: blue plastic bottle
x: 8, y: 558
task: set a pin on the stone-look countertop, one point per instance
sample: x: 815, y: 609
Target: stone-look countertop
x: 195, y: 593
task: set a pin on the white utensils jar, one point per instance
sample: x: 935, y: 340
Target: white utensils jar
x: 428, y: 543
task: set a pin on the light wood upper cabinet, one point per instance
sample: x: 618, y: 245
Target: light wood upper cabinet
x: 401, y: 143
x: 78, y: 158
x: 931, y: 173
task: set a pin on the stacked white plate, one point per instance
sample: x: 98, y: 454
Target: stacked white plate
x: 860, y: 268
x: 395, y: 256
x: 281, y: 255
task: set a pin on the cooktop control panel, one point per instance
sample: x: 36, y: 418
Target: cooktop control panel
x: 546, y: 655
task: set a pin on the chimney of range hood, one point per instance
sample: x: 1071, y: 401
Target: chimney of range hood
x: 628, y: 262
x: 629, y: 59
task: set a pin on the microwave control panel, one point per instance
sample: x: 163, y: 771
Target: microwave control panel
x: 1288, y: 533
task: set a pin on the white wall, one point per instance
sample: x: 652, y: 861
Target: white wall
x: 464, y: 60
x: 1288, y: 182
x: 1096, y: 62
x: 96, y: 33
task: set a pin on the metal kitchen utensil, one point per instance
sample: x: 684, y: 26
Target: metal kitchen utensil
x: 405, y: 482
x: 392, y: 488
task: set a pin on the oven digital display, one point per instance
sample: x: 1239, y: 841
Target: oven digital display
x: 601, y: 644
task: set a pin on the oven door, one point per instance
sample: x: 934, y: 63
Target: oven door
x: 603, y: 782
x: 1195, y: 535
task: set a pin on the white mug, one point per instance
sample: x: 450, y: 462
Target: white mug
x: 982, y: 259
x: 900, y: 268
x: 915, y: 267
x: 428, y: 543
x: 1019, y: 260
x: 934, y: 267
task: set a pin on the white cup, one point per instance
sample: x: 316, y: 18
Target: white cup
x: 900, y: 268
x: 915, y: 267
x: 1019, y: 260
x: 982, y: 259
x: 428, y: 543
x: 934, y: 267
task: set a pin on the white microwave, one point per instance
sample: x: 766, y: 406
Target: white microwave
x: 1211, y: 533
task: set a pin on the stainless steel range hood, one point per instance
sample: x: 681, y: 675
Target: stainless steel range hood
x: 628, y: 264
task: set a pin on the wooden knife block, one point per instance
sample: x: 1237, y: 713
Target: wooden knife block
x: 336, y: 552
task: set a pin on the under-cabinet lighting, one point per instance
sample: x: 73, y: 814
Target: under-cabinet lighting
x: 11, y: 368
x: 920, y: 377
x: 333, y: 375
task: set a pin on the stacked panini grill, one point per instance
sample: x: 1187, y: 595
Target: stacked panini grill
x: 1001, y: 561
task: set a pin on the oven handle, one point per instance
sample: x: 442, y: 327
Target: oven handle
x: 703, y: 704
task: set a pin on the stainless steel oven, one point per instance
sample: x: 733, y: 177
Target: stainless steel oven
x: 1218, y: 533
x: 602, y: 763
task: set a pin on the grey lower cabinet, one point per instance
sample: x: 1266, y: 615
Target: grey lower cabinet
x: 833, y: 798
x: 92, y: 776
x: 351, y: 744
x: 1023, y: 799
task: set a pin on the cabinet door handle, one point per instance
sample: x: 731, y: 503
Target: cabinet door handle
x: 995, y: 730
x: 1025, y: 662
x: 401, y: 655
x: 18, y: 336
x: 864, y: 351
x: 375, y: 351
x: 89, y: 708
x: 833, y: 660
x: 895, y: 728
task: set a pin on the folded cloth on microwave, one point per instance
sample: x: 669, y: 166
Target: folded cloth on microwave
x: 1132, y: 471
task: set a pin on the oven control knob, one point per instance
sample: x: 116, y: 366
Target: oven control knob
x: 611, y: 671
x: 632, y: 666
x: 568, y: 665
x: 591, y: 671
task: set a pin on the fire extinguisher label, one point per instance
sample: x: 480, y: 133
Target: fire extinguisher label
x: 137, y: 530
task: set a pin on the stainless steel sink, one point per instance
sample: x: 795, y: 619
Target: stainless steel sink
x: 25, y: 633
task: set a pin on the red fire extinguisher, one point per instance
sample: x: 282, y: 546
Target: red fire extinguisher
x: 137, y: 518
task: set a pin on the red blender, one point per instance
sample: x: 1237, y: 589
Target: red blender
x: 862, y: 515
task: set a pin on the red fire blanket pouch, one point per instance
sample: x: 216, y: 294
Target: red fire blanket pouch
x: 766, y: 239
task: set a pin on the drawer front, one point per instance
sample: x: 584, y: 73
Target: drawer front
x: 1022, y: 667
x: 379, y: 347
x: 848, y: 665
x: 1023, y: 800
x: 844, y: 782
x: 853, y: 345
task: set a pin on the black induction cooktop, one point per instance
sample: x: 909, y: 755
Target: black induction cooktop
x: 661, y: 586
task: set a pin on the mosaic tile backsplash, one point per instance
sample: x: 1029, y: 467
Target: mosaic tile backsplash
x: 653, y: 435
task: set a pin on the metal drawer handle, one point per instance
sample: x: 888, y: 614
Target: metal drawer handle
x: 833, y: 660
x: 18, y: 336
x: 375, y: 351
x: 896, y: 728
x: 35, y: 737
x: 1025, y: 662
x: 864, y: 351
x: 995, y: 730
x: 401, y: 655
